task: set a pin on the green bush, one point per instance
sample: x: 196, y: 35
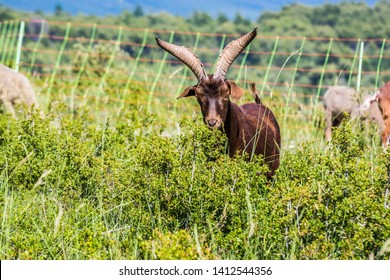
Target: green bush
x: 333, y: 203
x: 71, y: 189
x: 173, y: 246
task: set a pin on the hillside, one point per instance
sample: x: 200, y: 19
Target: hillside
x: 250, y: 9
x: 329, y: 53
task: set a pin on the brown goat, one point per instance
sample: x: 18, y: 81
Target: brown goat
x: 255, y: 93
x: 383, y: 99
x: 251, y: 127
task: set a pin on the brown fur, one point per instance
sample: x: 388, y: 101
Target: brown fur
x: 251, y: 128
x: 383, y: 99
x: 255, y: 93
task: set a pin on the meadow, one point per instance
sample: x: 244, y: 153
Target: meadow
x: 120, y: 169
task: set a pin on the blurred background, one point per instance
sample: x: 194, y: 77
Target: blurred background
x: 102, y: 54
x: 250, y: 9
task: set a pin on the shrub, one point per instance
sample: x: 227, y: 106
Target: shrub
x: 121, y: 190
x: 333, y: 204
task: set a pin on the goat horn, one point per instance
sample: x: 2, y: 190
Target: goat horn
x: 185, y: 55
x: 231, y: 51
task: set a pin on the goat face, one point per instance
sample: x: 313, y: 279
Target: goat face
x: 212, y: 91
x: 213, y: 96
x: 384, y: 106
x: 383, y: 99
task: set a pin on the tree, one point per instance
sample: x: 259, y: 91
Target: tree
x: 240, y: 20
x: 58, y: 9
x: 139, y: 11
x: 200, y: 19
x: 222, y: 18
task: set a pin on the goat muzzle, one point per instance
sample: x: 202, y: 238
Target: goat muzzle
x: 213, y: 123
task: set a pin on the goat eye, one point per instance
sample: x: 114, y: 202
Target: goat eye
x: 199, y: 91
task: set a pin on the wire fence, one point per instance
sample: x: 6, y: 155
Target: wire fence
x: 112, y: 67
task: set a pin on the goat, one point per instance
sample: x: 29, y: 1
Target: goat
x: 255, y: 93
x: 342, y: 101
x: 382, y: 98
x: 15, y: 88
x: 251, y: 127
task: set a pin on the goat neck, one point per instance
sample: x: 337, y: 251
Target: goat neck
x: 235, y: 127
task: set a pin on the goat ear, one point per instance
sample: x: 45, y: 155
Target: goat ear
x: 235, y: 91
x: 190, y: 91
x: 374, y: 98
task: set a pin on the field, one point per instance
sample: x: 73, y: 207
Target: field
x: 121, y: 169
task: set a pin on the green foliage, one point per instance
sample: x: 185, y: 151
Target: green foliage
x: 334, y: 203
x: 72, y: 190
x: 101, y: 72
x: 173, y: 246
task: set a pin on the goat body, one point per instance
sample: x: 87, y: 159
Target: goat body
x: 15, y: 88
x: 253, y: 128
x: 383, y: 99
x: 341, y: 101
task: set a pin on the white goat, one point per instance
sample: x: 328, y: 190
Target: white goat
x: 340, y: 101
x: 15, y: 88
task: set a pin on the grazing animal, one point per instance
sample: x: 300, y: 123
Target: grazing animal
x: 382, y: 98
x: 15, y: 88
x: 342, y: 101
x: 251, y: 127
x: 255, y: 93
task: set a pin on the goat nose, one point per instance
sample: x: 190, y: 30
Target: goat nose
x: 212, y: 122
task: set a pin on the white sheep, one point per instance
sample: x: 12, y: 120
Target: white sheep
x: 15, y: 88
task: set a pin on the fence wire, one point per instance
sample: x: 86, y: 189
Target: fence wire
x: 112, y: 67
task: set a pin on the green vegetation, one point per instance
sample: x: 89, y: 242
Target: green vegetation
x: 75, y: 190
x: 118, y: 169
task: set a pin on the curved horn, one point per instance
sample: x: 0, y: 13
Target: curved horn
x: 185, y: 55
x: 231, y: 51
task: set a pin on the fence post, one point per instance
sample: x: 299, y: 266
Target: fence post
x: 179, y: 88
x: 140, y: 51
x: 359, y: 76
x: 379, y: 64
x: 7, y: 35
x: 151, y: 93
x: 4, y: 28
x: 58, y: 61
x: 82, y: 67
x: 269, y: 65
x: 34, y: 53
x: 11, y: 45
x: 243, y: 64
x: 19, y: 46
x: 108, y: 65
x: 353, y: 62
x: 290, y: 90
x: 221, y: 47
x: 1, y: 41
x: 322, y: 78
